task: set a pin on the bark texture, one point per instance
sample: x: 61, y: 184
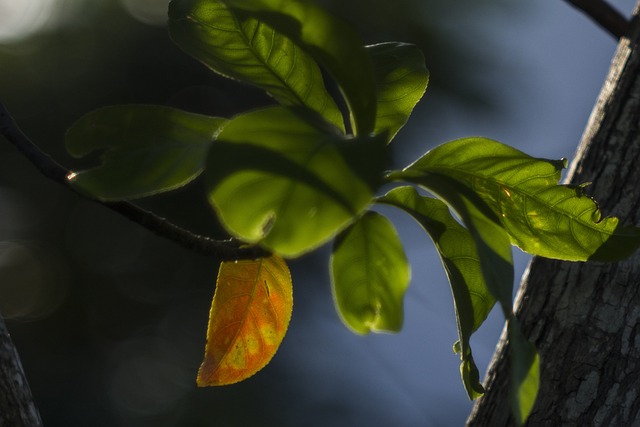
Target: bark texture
x: 585, y: 318
x: 17, y: 408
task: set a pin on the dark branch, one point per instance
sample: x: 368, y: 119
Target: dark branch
x: 220, y: 249
x: 17, y: 407
x: 604, y: 15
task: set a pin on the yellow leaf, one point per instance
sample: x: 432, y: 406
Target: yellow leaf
x: 249, y: 317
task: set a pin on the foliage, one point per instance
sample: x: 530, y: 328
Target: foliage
x: 249, y: 317
x: 293, y: 176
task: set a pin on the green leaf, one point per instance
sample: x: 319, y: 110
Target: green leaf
x: 459, y: 256
x: 401, y: 79
x: 370, y: 275
x: 149, y: 149
x: 491, y: 240
x: 239, y: 46
x: 277, y: 179
x: 331, y: 42
x: 525, y: 373
x: 541, y: 217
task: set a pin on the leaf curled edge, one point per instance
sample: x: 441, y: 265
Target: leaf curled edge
x: 249, y: 317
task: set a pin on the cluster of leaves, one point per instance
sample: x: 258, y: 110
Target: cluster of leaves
x: 295, y: 175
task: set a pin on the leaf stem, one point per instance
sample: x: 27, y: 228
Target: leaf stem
x: 224, y: 250
x: 604, y: 15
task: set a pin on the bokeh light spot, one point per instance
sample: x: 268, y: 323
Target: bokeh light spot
x: 20, y: 19
x: 151, y: 12
x: 33, y: 281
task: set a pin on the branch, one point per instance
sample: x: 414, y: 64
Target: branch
x: 17, y: 407
x: 220, y: 249
x: 604, y: 15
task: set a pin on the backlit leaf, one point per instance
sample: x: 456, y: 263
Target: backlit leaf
x: 370, y: 275
x: 249, y: 317
x: 331, y: 42
x: 459, y: 256
x: 276, y: 179
x: 401, y: 79
x: 493, y: 247
x: 491, y: 240
x: 149, y: 149
x: 541, y: 217
x: 525, y: 373
x: 239, y: 46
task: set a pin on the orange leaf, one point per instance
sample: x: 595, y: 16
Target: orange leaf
x: 249, y: 317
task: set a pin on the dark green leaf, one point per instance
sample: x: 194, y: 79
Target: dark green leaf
x: 491, y: 240
x: 525, y: 372
x: 241, y: 47
x: 401, y: 79
x: 370, y: 275
x: 331, y: 42
x: 458, y: 253
x: 276, y: 179
x: 149, y: 149
x: 541, y: 217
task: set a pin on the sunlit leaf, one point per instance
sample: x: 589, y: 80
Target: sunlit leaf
x: 370, y: 275
x: 541, y: 217
x: 491, y: 240
x: 525, y: 373
x: 401, y: 79
x: 239, y: 46
x: 276, y: 179
x: 459, y: 256
x: 331, y: 42
x: 249, y: 317
x: 149, y: 149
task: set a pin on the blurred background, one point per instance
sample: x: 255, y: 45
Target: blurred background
x: 110, y: 320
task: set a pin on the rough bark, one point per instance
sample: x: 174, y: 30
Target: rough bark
x: 17, y: 408
x: 585, y: 317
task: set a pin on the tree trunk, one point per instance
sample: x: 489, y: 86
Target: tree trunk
x: 585, y: 318
x: 17, y: 408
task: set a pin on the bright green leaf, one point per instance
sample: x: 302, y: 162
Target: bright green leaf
x: 458, y: 253
x: 525, y: 373
x: 278, y: 180
x: 541, y: 217
x: 149, y: 149
x: 370, y: 275
x: 401, y: 79
x: 239, y: 46
x: 331, y: 42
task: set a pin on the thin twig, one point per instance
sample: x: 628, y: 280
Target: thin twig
x: 220, y: 249
x: 604, y: 15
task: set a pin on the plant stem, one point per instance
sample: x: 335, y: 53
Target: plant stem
x: 230, y: 249
x: 604, y: 15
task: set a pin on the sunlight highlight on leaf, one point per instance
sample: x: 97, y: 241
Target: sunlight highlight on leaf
x: 277, y: 179
x: 249, y: 317
x: 541, y: 217
x: 401, y: 79
x: 332, y: 42
x: 239, y: 46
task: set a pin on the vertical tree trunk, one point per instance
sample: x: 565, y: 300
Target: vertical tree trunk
x: 17, y: 408
x: 585, y: 318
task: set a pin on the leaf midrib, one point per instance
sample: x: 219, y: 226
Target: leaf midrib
x: 250, y: 47
x: 523, y: 193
